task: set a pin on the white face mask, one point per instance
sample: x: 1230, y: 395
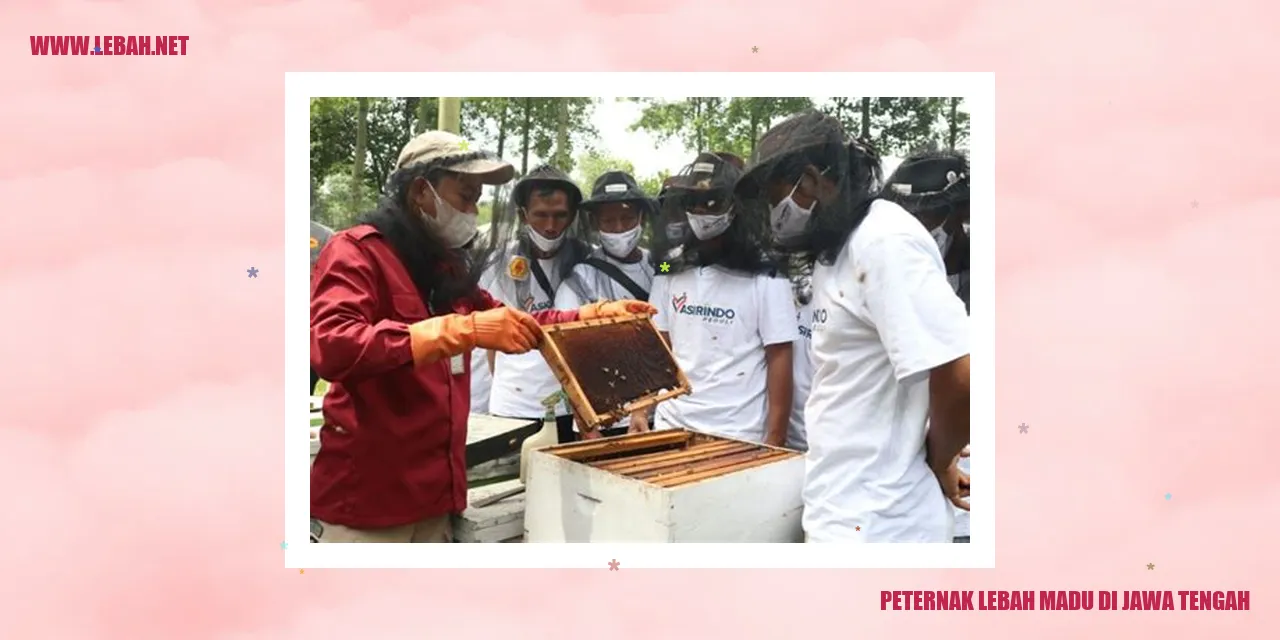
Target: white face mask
x: 454, y: 228
x: 620, y: 245
x: 788, y: 219
x: 706, y: 227
x: 941, y: 237
x: 544, y: 243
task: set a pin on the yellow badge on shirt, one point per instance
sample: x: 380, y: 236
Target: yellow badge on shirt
x: 518, y: 268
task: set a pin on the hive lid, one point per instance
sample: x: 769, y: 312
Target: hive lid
x: 610, y: 367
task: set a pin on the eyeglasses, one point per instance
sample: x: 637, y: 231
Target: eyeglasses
x: 711, y: 202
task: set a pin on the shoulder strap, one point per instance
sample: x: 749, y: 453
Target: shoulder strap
x: 543, y: 282
x: 618, y: 276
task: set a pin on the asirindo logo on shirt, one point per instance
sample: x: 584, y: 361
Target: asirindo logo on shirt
x: 805, y: 332
x: 530, y: 306
x: 817, y: 323
x: 718, y: 315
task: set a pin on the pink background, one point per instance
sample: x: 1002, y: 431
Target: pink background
x: 140, y: 442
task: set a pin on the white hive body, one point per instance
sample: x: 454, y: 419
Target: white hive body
x: 666, y: 486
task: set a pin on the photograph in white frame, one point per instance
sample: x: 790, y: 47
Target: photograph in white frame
x: 977, y: 90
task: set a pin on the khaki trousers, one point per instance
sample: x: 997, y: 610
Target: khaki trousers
x: 438, y: 529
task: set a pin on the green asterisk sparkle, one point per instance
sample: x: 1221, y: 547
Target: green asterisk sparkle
x: 665, y: 267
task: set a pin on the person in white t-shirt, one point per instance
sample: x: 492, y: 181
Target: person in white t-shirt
x: 619, y: 269
x: 524, y: 273
x: 934, y: 187
x: 890, y: 341
x: 802, y: 361
x: 730, y: 320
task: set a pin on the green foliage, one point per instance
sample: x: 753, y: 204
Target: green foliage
x: 527, y: 126
x: 333, y: 204
x: 592, y: 164
x: 531, y: 126
x: 525, y: 129
x: 896, y: 125
x: 715, y: 124
x: 900, y: 126
x: 333, y: 134
x: 653, y: 184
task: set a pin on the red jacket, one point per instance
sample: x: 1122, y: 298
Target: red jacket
x: 393, y: 445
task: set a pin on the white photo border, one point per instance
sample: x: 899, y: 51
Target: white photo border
x: 978, y: 91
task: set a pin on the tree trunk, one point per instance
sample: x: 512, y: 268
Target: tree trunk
x: 502, y: 125
x: 410, y: 115
x: 563, y: 155
x: 953, y: 127
x: 755, y: 128
x: 697, y: 123
x: 450, y: 115
x: 503, y: 108
x: 525, y: 131
x: 362, y: 152
x: 866, y: 118
x: 424, y: 112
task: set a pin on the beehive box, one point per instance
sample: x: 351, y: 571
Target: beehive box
x: 664, y: 486
x: 609, y: 367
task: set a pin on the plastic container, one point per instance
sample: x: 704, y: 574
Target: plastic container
x: 545, y: 438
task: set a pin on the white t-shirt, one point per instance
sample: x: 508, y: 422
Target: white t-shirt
x: 720, y: 322
x: 595, y: 285
x: 801, y: 375
x: 962, y: 516
x: 884, y: 316
x: 481, y: 381
x: 521, y: 382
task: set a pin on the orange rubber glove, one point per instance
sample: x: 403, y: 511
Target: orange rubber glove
x: 502, y: 329
x: 609, y: 309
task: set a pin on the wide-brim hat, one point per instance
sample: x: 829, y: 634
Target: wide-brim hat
x: 805, y: 130
x: 618, y: 187
x: 930, y: 179
x: 453, y: 153
x: 709, y: 172
x: 546, y: 176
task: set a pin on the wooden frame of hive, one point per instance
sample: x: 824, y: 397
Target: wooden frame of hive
x: 671, y: 457
x: 591, y: 417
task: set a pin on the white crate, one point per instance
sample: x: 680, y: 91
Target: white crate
x: 502, y: 521
x: 315, y: 443
x: 570, y: 501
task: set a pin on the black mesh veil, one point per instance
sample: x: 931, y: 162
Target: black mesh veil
x: 934, y: 187
x: 708, y: 181
x: 507, y: 239
x: 619, y: 187
x: 931, y: 182
x: 812, y: 138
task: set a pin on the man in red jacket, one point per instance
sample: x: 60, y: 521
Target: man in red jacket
x: 395, y: 313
